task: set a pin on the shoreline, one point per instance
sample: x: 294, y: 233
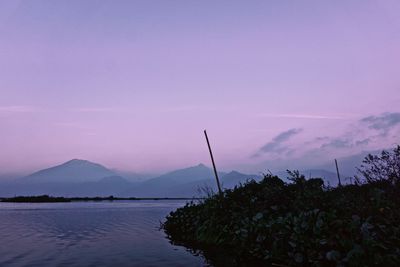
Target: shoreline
x: 51, y: 199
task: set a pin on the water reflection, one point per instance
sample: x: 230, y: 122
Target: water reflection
x: 89, y: 234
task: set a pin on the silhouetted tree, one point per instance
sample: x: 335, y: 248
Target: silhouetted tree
x: 385, y: 166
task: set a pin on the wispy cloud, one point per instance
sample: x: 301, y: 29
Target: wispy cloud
x: 177, y: 108
x: 383, y: 123
x: 363, y: 142
x: 192, y: 108
x: 18, y: 109
x: 366, y: 131
x: 339, y: 142
x: 276, y: 145
x: 371, y: 133
x: 304, y: 116
x: 98, y: 109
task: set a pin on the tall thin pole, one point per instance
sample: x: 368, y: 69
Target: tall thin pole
x: 213, y: 163
x: 337, y: 171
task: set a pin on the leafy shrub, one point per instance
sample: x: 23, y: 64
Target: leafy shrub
x: 294, y: 224
x: 385, y: 166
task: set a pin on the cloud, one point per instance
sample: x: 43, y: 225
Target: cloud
x: 346, y: 141
x: 276, y: 145
x: 383, y: 123
x: 97, y: 109
x: 130, y: 109
x: 303, y: 116
x: 10, y: 111
x: 17, y: 109
x: 363, y: 142
x: 360, y: 134
x: 371, y: 133
x: 189, y: 108
x: 338, y: 143
x: 284, y: 136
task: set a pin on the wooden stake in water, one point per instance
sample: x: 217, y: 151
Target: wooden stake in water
x: 213, y: 163
x: 337, y: 171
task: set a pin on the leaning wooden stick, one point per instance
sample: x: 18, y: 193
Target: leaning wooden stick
x: 213, y: 163
x: 338, y: 174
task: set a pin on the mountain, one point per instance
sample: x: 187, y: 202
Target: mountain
x: 84, y: 178
x: 73, y: 178
x: 186, y: 175
x: 329, y: 177
x: 234, y: 178
x: 113, y: 180
x: 134, y: 176
x: 347, y: 165
x: 203, y: 187
x: 73, y: 171
x: 6, y: 177
x: 189, y: 182
x: 112, y: 185
x: 172, y: 183
x: 105, y: 187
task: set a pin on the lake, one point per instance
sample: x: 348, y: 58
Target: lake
x: 118, y: 233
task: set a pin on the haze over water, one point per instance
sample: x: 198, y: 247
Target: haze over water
x: 119, y: 233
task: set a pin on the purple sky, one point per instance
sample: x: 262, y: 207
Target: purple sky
x: 132, y: 84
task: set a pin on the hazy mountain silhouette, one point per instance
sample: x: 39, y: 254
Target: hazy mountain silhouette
x: 135, y: 176
x: 202, y: 187
x: 195, y: 173
x: 172, y: 182
x: 85, y: 178
x: 347, y: 165
x: 73, y: 178
x: 111, y: 185
x: 75, y: 170
x: 233, y: 178
x: 330, y: 178
x: 6, y: 177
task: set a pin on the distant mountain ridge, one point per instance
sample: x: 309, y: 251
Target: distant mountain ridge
x: 85, y: 178
x: 79, y: 178
x: 234, y: 178
x: 172, y: 182
x: 75, y: 170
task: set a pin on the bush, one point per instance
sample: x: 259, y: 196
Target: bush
x: 385, y: 166
x: 294, y: 224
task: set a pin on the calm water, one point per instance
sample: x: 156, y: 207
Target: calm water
x: 119, y: 233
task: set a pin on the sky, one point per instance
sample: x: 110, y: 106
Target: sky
x: 133, y: 84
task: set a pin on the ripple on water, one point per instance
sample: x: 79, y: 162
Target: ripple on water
x: 89, y: 234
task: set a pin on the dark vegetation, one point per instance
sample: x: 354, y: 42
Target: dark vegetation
x: 302, y: 223
x: 36, y: 199
x: 49, y: 199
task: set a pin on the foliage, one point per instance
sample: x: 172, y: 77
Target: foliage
x: 46, y: 198
x: 36, y: 199
x: 301, y: 223
x: 385, y: 166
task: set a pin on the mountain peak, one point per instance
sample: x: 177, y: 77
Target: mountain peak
x: 75, y: 170
x: 80, y: 163
x: 201, y: 165
x: 234, y: 173
x: 77, y: 161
